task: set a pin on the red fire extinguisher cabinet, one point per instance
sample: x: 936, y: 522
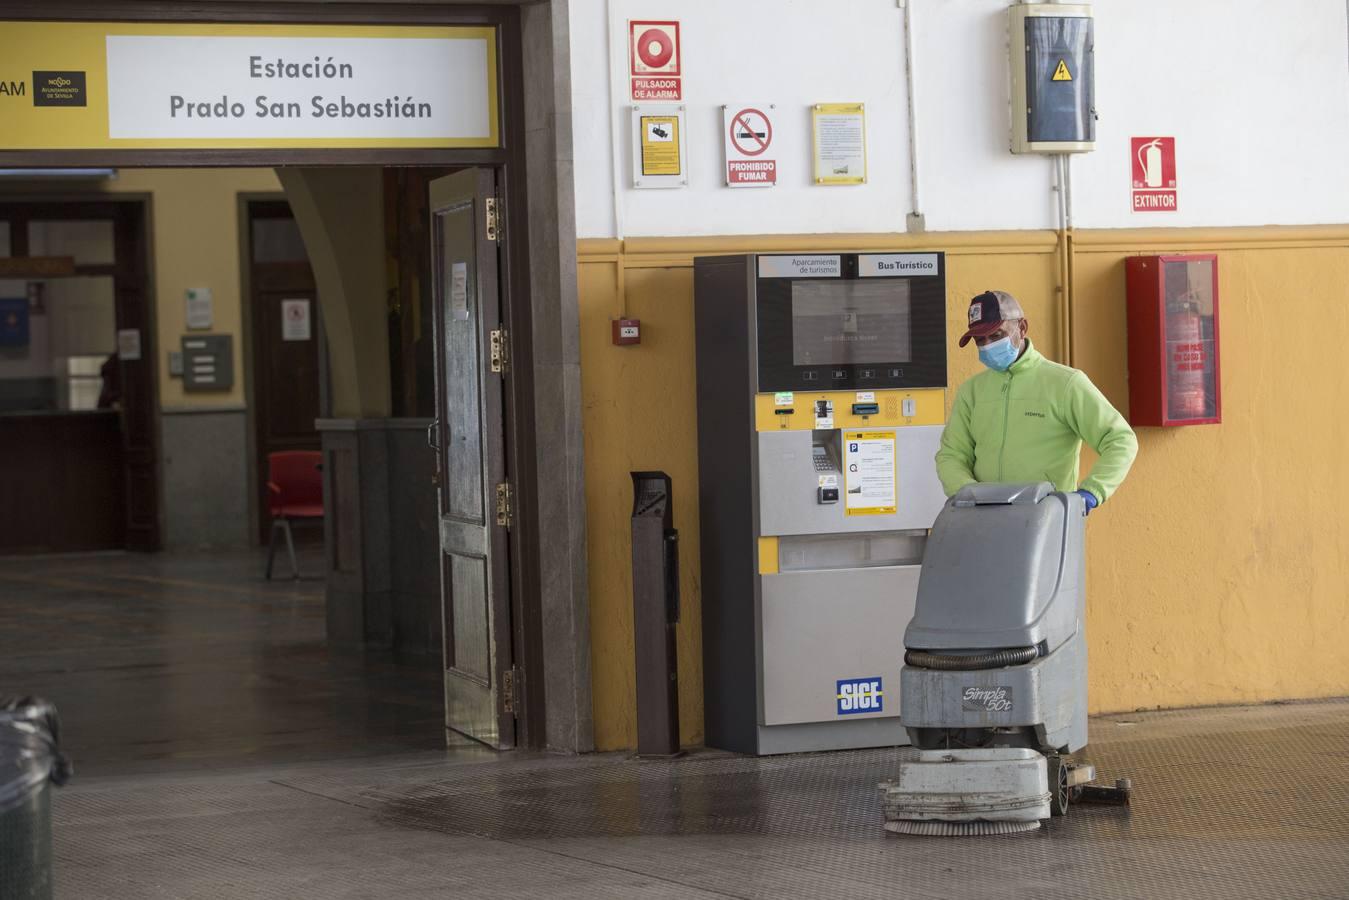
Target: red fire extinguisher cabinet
x: 1174, y: 376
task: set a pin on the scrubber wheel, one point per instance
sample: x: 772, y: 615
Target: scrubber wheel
x: 1058, y: 786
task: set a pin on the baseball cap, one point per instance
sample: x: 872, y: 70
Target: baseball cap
x: 988, y: 311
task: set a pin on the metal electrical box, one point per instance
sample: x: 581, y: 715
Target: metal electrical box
x: 1052, y: 61
x: 821, y: 400
x: 1174, y: 377
x: 208, y: 362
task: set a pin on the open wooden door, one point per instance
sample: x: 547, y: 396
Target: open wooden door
x: 469, y: 434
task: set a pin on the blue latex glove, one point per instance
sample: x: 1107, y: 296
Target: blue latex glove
x: 1090, y: 499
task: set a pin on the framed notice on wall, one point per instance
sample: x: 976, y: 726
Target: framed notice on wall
x: 840, y: 140
x: 659, y: 146
x: 295, y: 320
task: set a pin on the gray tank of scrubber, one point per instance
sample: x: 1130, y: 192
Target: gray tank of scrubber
x: 996, y: 651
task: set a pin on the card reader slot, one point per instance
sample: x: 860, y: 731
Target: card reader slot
x: 866, y: 409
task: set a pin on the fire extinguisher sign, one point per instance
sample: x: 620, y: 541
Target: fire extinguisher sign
x: 1153, y: 170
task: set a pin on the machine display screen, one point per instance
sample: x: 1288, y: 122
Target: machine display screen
x: 851, y: 322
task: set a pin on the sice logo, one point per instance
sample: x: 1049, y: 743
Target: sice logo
x: 859, y: 695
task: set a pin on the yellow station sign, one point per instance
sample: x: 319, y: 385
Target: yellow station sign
x: 131, y: 86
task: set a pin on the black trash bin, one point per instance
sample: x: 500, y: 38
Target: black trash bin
x: 30, y: 763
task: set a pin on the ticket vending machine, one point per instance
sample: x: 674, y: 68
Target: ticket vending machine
x: 821, y: 399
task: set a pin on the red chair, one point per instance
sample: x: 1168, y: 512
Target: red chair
x: 295, y: 486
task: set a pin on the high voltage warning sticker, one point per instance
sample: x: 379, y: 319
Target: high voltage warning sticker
x: 1061, y: 72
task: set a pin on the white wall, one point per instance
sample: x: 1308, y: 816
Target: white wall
x: 1256, y: 94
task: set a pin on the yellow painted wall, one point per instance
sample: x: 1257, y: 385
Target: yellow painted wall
x: 1220, y: 572
x: 340, y: 214
x: 1217, y: 574
x: 195, y: 222
x: 196, y: 244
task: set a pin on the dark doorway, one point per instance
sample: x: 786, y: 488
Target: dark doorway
x: 288, y: 357
x: 78, y: 456
x: 412, y: 330
x: 541, y: 415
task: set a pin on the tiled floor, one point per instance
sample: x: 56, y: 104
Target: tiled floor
x: 159, y: 661
x: 274, y: 771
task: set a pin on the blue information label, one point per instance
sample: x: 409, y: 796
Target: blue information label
x: 859, y: 695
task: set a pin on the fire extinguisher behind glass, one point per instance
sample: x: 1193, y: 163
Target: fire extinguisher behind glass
x: 1185, y: 363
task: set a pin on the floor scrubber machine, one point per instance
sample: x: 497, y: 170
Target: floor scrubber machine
x: 993, y: 692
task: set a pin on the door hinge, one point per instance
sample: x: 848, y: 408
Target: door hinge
x: 501, y: 350
x: 493, y: 219
x: 508, y: 679
x: 504, y: 504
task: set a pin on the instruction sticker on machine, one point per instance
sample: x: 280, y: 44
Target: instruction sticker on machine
x: 869, y: 472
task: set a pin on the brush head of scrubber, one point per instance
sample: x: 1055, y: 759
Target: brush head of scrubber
x: 984, y: 791
x: 933, y: 828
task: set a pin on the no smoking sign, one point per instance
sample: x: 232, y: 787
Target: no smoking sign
x: 748, y: 135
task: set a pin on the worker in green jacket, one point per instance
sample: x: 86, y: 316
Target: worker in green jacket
x: 1025, y: 419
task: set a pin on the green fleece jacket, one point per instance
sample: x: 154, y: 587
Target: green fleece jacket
x: 1028, y: 424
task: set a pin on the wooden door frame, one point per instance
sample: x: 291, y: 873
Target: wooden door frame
x: 243, y: 203
x: 566, y: 668
x: 83, y: 206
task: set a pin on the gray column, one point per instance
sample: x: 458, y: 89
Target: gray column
x: 557, y: 376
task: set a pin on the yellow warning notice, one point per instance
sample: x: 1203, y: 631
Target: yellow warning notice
x: 660, y: 145
x: 1061, y: 72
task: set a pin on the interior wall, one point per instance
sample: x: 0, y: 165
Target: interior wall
x: 340, y: 211
x: 1215, y: 575
x: 204, y: 435
x: 194, y: 243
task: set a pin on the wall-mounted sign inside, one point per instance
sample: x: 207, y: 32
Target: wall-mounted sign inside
x: 200, y: 309
x: 840, y: 136
x: 295, y: 320
x: 130, y: 85
x: 747, y: 133
x: 14, y: 322
x: 1153, y: 172
x: 659, y: 146
x: 654, y: 61
x: 128, y: 344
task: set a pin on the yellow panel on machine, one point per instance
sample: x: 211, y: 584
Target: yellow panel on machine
x: 799, y: 411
